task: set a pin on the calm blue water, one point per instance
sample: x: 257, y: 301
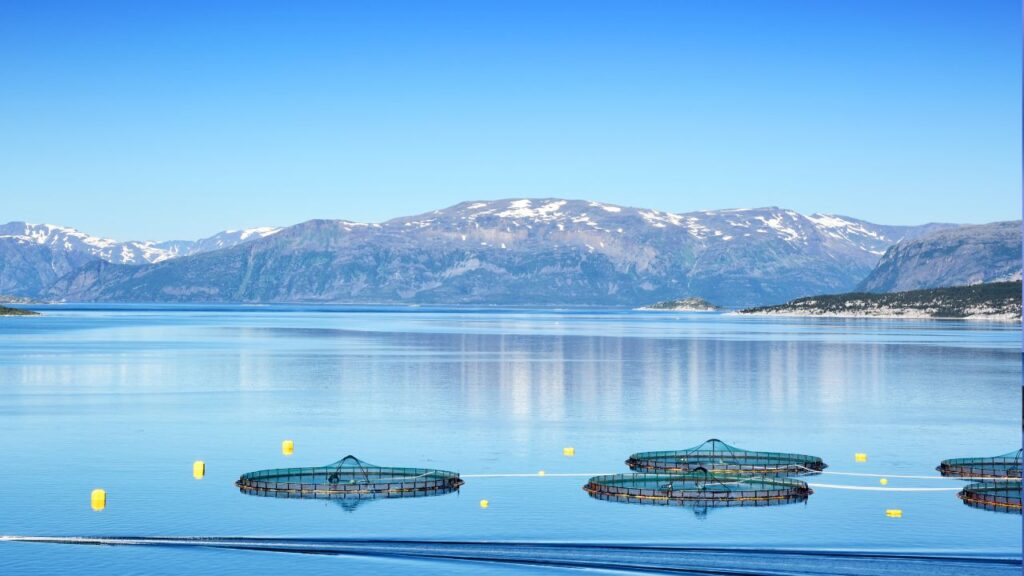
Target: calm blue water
x: 125, y: 398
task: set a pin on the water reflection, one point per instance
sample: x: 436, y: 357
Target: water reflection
x: 126, y: 397
x: 555, y: 377
x: 701, y: 511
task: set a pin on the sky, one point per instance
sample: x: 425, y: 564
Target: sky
x: 177, y: 119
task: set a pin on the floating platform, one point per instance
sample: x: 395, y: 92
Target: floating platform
x: 1003, y: 466
x: 349, y: 477
x: 998, y: 496
x: 699, y: 488
x: 720, y: 458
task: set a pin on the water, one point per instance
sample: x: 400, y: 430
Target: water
x: 126, y: 398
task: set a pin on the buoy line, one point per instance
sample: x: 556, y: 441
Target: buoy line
x: 834, y: 473
x: 812, y: 485
x: 883, y: 489
x: 905, y: 476
x: 532, y: 475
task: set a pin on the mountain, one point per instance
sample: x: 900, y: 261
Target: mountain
x: 953, y: 257
x: 523, y: 251
x: 993, y: 301
x: 34, y: 256
x: 227, y: 239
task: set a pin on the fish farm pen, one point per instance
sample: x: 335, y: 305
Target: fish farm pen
x: 700, y: 488
x: 720, y: 458
x: 1002, y: 466
x: 999, y: 496
x: 349, y: 477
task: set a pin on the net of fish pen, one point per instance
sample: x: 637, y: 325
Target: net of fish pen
x: 349, y: 477
x: 1000, y: 496
x: 700, y: 488
x: 1003, y: 466
x: 718, y: 457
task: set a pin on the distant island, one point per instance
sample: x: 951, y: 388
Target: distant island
x: 692, y: 304
x: 1000, y: 301
x: 7, y: 311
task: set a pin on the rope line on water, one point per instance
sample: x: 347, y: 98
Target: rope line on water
x: 905, y: 476
x: 883, y: 488
x: 812, y: 485
x: 533, y: 475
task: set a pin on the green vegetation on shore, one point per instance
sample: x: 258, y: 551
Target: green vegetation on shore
x: 996, y: 300
x: 6, y: 311
x: 692, y: 304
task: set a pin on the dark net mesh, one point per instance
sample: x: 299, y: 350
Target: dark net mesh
x: 349, y: 477
x: 720, y: 458
x: 700, y: 487
x: 999, y: 495
x: 1002, y: 466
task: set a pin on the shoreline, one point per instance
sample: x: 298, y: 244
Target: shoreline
x: 649, y: 309
x: 242, y: 307
x: 1001, y: 318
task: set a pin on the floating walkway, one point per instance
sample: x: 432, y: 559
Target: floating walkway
x: 349, y: 477
x: 720, y: 458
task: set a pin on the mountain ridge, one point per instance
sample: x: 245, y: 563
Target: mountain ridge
x: 129, y: 251
x: 518, y: 251
x: 965, y: 255
x: 34, y: 256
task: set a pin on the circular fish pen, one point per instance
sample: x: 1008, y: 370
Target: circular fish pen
x: 720, y: 458
x: 1003, y: 466
x: 699, y: 488
x: 349, y: 477
x: 1002, y: 496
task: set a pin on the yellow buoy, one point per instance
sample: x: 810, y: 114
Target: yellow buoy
x: 98, y: 499
x: 198, y: 469
x: 287, y: 447
x: 540, y: 473
x: 568, y: 451
x: 484, y: 503
x: 894, y: 513
x: 860, y: 457
x: 883, y: 481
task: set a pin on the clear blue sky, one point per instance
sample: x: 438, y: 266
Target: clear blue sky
x: 156, y: 120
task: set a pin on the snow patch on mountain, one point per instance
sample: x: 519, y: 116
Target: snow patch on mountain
x: 524, y: 209
x: 67, y: 239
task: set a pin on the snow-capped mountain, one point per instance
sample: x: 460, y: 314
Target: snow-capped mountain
x: 64, y: 238
x: 706, y: 228
x: 229, y: 238
x: 35, y: 255
x: 520, y: 251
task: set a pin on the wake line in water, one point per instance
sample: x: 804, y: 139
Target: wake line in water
x: 612, y: 557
